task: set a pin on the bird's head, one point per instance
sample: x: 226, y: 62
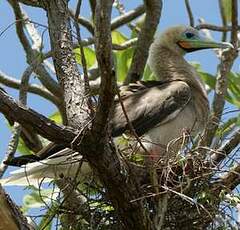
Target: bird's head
x: 184, y: 39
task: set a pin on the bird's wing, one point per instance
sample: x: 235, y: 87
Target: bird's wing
x: 148, y: 105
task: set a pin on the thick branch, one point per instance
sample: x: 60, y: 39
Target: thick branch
x: 30, y: 119
x: 153, y: 11
x: 10, y: 216
x: 34, y: 3
x: 65, y: 63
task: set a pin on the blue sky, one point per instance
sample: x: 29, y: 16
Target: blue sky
x: 13, y: 62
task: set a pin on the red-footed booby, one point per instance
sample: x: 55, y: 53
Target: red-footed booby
x: 159, y: 111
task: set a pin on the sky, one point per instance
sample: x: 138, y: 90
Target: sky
x: 13, y: 61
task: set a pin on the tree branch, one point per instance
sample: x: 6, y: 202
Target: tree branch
x: 30, y: 119
x: 228, y: 58
x: 190, y: 14
x: 10, y: 215
x: 34, y: 88
x: 226, y: 148
x: 145, y: 38
x: 33, y: 56
x: 229, y: 181
x: 83, y: 21
x: 214, y: 27
x: 127, y: 17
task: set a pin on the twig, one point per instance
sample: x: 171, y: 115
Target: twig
x: 223, y: 17
x: 145, y: 38
x: 12, y: 147
x: 13, y: 144
x: 130, y: 43
x: 34, y: 88
x: 127, y: 17
x: 214, y: 27
x: 190, y: 14
x: 82, y: 21
x: 32, y: 55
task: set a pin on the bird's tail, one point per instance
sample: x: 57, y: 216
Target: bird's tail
x: 46, y: 170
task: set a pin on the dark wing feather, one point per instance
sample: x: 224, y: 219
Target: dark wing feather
x: 150, y: 106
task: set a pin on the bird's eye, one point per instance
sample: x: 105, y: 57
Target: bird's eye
x: 189, y: 35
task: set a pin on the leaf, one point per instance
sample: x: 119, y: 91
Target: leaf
x: 226, y: 127
x: 148, y: 75
x: 22, y: 148
x: 56, y: 117
x: 227, y: 9
x: 123, y: 61
x: 234, y: 88
x: 38, y: 198
x: 89, y: 55
x: 46, y: 221
x: 118, y: 38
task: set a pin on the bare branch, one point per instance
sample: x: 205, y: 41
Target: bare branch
x: 190, y: 14
x: 104, y: 57
x: 225, y: 66
x: 13, y: 144
x: 226, y: 148
x: 127, y: 17
x: 34, y: 88
x: 229, y: 181
x: 153, y: 11
x: 10, y: 215
x: 12, y: 147
x: 65, y: 63
x: 87, y: 89
x: 30, y: 119
x: 83, y: 21
x: 33, y: 56
x: 223, y: 17
x: 34, y: 3
x: 214, y: 27
x: 93, y: 7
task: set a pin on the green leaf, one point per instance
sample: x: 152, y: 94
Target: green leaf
x: 226, y: 127
x: 118, y: 38
x: 234, y: 89
x: 22, y: 148
x: 89, y: 55
x: 227, y: 9
x: 56, y: 117
x: 123, y: 61
x: 148, y: 75
x: 38, y: 198
x: 122, y: 58
x: 46, y: 221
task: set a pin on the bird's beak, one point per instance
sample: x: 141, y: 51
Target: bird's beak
x: 190, y: 45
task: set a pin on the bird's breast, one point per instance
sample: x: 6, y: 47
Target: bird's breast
x: 171, y: 136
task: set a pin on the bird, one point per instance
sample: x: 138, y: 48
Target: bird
x: 159, y: 112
